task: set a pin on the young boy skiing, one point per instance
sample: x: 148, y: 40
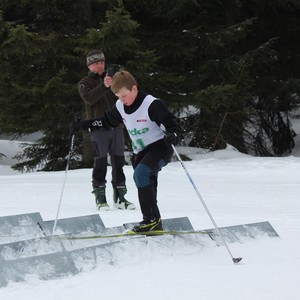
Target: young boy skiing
x: 143, y: 116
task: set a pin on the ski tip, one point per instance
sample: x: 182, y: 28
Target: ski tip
x: 236, y: 260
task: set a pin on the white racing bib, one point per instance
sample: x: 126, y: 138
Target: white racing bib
x: 142, y: 131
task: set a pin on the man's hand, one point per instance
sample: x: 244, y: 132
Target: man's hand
x: 107, y: 81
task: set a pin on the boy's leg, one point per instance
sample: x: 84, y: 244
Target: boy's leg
x: 145, y: 177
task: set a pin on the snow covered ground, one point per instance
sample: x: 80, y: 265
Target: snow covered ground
x: 237, y: 189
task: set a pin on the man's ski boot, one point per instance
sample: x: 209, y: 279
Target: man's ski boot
x: 119, y: 198
x: 100, y: 198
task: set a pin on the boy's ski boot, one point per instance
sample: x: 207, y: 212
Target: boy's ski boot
x: 148, y: 226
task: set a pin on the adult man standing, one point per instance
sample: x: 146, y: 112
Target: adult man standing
x: 94, y: 89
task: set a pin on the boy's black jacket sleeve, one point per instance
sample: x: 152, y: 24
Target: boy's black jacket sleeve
x: 159, y: 114
x: 110, y: 119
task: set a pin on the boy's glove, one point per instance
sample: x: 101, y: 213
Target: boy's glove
x: 80, y: 126
x: 170, y: 138
x: 87, y: 125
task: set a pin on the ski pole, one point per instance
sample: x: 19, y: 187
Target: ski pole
x: 235, y: 260
x: 64, y: 183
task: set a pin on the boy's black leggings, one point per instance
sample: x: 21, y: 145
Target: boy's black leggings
x: 147, y: 164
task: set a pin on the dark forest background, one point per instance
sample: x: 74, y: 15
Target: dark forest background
x: 229, y: 69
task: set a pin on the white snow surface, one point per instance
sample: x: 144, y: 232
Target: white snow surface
x: 237, y: 189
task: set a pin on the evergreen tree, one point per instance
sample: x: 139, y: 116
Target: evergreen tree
x: 236, y: 63
x: 224, y: 57
x: 39, y: 72
x: 266, y: 91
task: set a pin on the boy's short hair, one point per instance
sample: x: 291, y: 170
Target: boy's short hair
x: 122, y: 79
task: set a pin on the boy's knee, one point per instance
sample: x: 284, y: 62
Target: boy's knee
x: 141, y: 176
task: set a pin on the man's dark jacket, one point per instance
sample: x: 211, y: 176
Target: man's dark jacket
x: 96, y: 96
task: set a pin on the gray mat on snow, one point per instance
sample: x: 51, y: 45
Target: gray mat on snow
x: 27, y: 247
x: 45, y: 267
x: 90, y: 223
x: 238, y: 233
x: 58, y: 264
x: 21, y: 227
